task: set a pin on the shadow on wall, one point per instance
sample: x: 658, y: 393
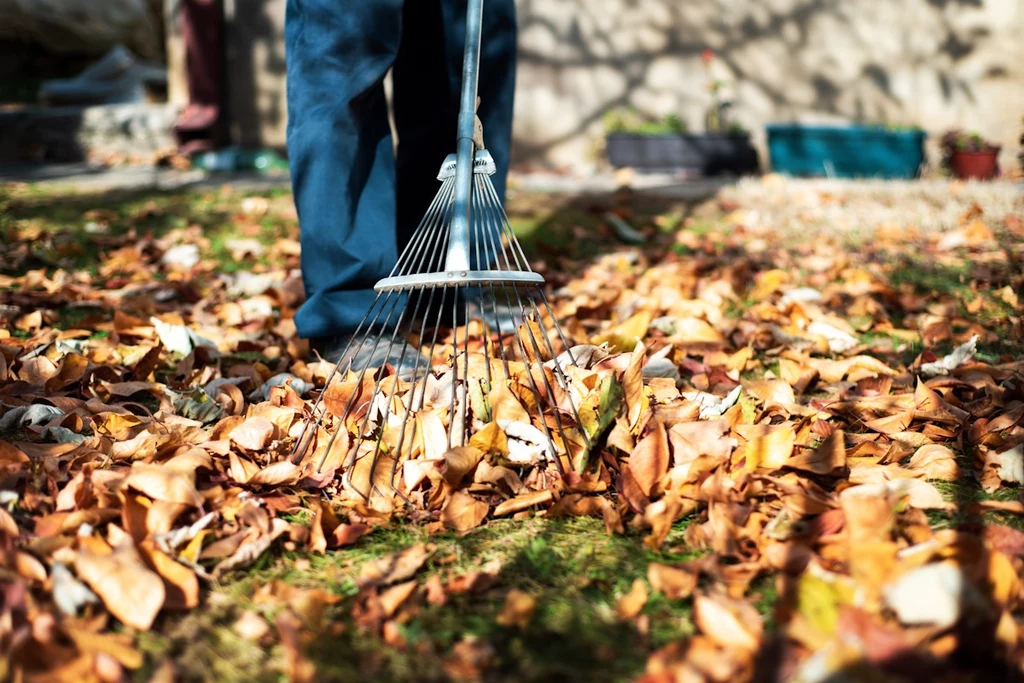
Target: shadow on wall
x: 255, y: 69
x: 816, y: 57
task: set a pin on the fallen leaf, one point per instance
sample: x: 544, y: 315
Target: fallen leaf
x: 254, y: 434
x: 131, y: 592
x: 464, y: 512
x: 628, y: 606
x: 649, y: 460
x: 396, y: 567
x: 517, y: 610
x: 674, y: 583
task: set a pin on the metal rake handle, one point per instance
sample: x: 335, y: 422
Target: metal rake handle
x: 457, y: 257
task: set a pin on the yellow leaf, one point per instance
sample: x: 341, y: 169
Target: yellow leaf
x: 490, y: 439
x: 767, y: 283
x: 459, y: 462
x: 625, y: 336
x: 769, y: 447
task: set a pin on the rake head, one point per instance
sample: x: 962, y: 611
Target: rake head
x: 459, y: 350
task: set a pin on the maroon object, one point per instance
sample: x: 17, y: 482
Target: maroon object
x: 979, y: 165
x: 201, y: 125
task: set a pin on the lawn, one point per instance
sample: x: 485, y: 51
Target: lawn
x: 154, y: 531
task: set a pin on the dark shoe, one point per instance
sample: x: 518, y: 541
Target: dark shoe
x: 370, y: 352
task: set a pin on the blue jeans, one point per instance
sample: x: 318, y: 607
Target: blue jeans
x: 357, y: 203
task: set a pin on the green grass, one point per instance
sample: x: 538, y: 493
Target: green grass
x: 572, y: 568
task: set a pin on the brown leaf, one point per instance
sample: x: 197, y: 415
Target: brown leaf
x: 435, y: 591
x: 517, y: 610
x: 392, y: 598
x: 649, y: 461
x: 11, y: 454
x: 632, y: 492
x: 464, y: 512
x: 522, y: 502
x: 732, y: 625
x: 633, y: 386
x: 628, y: 606
x: 690, y: 440
x: 131, y: 592
x: 396, y: 567
x: 160, y: 482
x: 892, y: 424
x: 828, y: 458
x: 281, y: 473
x: 459, y: 462
x: 673, y: 582
x: 254, y: 434
x: 180, y: 583
x: 347, y: 534
x: 935, y: 462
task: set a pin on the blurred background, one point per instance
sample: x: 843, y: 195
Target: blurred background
x: 696, y: 87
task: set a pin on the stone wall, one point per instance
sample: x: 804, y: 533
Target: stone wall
x: 934, y: 63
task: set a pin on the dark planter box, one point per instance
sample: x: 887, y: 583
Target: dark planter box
x: 706, y: 154
x: 845, y: 151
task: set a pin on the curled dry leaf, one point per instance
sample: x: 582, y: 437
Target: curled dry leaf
x: 130, y: 590
x: 253, y: 434
x: 732, y: 625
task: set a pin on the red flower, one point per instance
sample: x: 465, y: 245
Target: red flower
x: 706, y: 56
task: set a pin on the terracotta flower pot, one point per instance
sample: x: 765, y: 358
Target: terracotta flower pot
x: 978, y: 165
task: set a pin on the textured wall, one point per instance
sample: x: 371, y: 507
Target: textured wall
x: 935, y: 63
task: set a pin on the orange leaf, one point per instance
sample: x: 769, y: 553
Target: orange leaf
x: 827, y: 458
x: 674, y: 583
x: 517, y: 610
x: 629, y: 605
x: 464, y: 512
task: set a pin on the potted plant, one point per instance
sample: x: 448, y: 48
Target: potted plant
x: 968, y: 155
x: 665, y: 145
x: 877, y: 150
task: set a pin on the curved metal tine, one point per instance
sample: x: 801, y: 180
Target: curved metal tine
x: 505, y: 227
x: 439, y: 204
x: 300, y: 447
x: 558, y: 368
x: 409, y: 410
x: 359, y: 381
x: 437, y: 221
x: 426, y: 228
x: 537, y: 397
x: 547, y: 384
x: 388, y: 403
x: 455, y: 366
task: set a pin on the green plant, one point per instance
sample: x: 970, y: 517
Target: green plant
x: 715, y: 119
x: 630, y: 121
x: 960, y: 141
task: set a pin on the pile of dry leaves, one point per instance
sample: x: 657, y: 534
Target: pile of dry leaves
x: 149, y: 450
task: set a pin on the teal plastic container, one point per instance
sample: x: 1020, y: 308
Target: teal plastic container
x: 845, y: 151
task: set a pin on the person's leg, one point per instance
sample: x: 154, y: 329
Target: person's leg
x: 427, y: 88
x: 340, y: 153
x: 427, y: 85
